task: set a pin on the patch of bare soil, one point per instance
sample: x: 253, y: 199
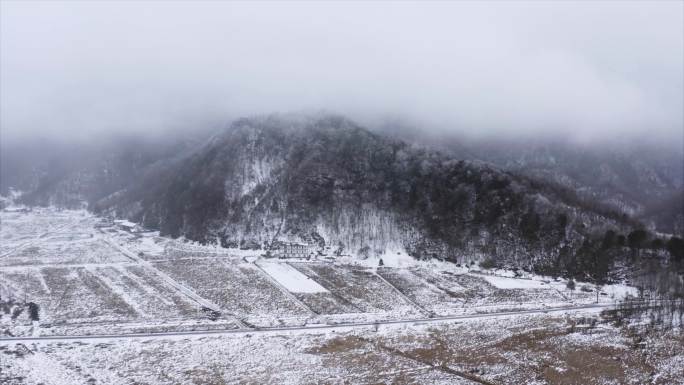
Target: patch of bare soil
x: 340, y: 344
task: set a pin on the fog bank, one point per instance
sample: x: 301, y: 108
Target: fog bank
x: 591, y: 70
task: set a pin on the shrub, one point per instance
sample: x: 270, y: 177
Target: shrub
x: 571, y: 284
x: 34, y: 311
x: 488, y: 263
x: 676, y: 248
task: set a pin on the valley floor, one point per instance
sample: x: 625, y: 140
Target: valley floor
x: 86, y: 300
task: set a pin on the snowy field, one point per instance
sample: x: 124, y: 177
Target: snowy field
x: 68, y: 274
x: 291, y: 279
x: 506, y: 351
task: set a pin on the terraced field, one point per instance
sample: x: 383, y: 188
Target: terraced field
x: 358, y: 286
x: 236, y: 287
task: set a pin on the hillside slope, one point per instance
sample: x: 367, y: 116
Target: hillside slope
x: 327, y: 181
x: 641, y: 177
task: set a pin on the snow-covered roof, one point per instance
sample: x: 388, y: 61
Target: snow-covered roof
x: 125, y: 223
x: 294, y: 244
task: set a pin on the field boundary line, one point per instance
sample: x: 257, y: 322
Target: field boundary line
x: 284, y: 290
x: 405, y: 297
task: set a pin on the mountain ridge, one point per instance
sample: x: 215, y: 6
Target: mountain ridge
x: 328, y: 181
x: 325, y: 180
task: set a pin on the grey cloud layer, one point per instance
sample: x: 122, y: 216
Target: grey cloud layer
x: 496, y: 67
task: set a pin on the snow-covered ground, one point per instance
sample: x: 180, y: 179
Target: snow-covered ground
x: 513, y: 283
x: 291, y: 278
x: 82, y: 270
x: 540, y: 349
x: 87, y: 275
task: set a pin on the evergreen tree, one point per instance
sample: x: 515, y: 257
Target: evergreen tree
x: 34, y: 311
x: 676, y: 248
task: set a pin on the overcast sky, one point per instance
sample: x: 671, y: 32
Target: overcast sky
x: 590, y: 69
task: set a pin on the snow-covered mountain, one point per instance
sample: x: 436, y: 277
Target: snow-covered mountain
x: 324, y: 180
x: 629, y: 179
x: 639, y: 177
x: 73, y: 174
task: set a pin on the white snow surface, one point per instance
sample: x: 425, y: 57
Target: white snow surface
x: 150, y: 245
x: 125, y: 223
x: 514, y: 283
x: 618, y: 291
x: 292, y: 279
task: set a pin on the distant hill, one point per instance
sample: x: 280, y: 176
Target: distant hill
x: 639, y: 178
x: 75, y: 174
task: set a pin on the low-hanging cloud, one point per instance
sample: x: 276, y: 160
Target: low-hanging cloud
x: 592, y: 69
